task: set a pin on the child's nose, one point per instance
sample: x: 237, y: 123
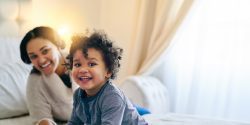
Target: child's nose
x: 83, y: 69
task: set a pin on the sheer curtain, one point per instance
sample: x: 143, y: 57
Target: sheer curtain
x: 207, y: 66
x: 157, y: 21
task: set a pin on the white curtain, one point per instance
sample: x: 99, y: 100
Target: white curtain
x: 207, y: 66
x: 155, y: 25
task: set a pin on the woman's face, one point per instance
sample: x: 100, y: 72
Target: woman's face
x: 44, y: 55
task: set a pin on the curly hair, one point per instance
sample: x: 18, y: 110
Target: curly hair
x: 99, y: 41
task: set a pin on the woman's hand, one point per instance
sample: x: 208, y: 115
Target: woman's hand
x: 46, y: 122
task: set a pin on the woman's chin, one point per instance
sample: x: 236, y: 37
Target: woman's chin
x: 47, y: 72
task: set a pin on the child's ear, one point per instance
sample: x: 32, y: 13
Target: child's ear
x: 108, y: 75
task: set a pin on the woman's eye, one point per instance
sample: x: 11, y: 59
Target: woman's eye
x: 45, y: 51
x: 32, y: 57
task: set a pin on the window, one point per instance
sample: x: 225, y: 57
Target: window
x: 207, y: 66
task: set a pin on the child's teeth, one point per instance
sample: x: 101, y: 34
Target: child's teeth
x: 82, y: 78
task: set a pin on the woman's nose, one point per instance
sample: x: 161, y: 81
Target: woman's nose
x: 41, y: 59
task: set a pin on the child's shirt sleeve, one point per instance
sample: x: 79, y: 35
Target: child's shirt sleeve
x: 74, y: 120
x: 112, y: 108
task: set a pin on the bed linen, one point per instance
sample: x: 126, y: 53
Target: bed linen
x: 152, y: 119
x: 181, y: 119
x: 20, y: 120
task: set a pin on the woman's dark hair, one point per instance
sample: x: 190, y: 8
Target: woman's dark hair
x: 99, y: 41
x: 39, y: 32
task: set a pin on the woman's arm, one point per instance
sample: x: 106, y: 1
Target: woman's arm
x: 39, y: 108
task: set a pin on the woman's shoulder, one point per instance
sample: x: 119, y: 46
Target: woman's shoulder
x: 33, y: 77
x: 34, y: 81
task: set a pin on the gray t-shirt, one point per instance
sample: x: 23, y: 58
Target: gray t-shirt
x: 108, y: 107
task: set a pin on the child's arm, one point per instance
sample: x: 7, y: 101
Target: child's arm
x: 74, y: 120
x: 113, y: 107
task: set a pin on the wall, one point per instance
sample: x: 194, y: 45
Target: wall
x: 76, y: 14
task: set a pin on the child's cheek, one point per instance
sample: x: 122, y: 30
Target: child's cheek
x: 74, y: 74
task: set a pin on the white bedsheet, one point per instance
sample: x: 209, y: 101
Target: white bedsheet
x: 180, y: 119
x: 153, y: 119
x: 21, y: 120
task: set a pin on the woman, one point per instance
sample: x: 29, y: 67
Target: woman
x: 49, y: 88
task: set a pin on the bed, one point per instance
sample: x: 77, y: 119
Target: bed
x: 15, y: 20
x: 146, y: 91
x: 149, y: 92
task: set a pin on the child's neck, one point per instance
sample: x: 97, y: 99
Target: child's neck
x: 94, y: 91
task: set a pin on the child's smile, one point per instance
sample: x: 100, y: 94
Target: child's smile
x: 84, y: 78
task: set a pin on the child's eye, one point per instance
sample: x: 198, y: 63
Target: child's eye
x: 45, y: 51
x: 77, y: 65
x: 92, y: 64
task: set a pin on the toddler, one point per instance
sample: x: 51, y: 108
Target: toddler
x: 95, y: 61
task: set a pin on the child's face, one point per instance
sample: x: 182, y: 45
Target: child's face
x: 89, y: 73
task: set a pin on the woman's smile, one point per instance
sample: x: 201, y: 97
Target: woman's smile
x: 47, y: 67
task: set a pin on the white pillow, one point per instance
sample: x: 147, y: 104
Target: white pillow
x: 9, y: 49
x: 9, y: 28
x: 148, y: 92
x: 13, y: 78
x: 8, y: 9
